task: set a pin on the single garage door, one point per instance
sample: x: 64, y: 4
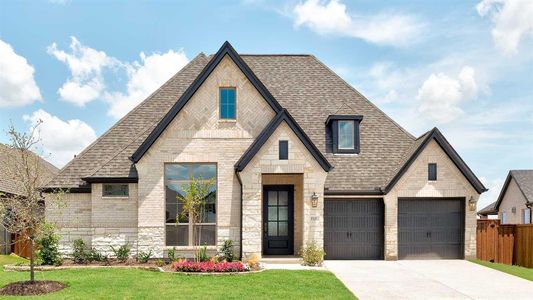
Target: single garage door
x: 430, y: 228
x: 353, y: 229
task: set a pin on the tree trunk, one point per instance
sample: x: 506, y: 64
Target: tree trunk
x: 32, y: 261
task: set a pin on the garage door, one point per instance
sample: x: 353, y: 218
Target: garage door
x: 353, y: 229
x: 430, y: 228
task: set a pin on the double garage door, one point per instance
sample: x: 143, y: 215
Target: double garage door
x: 427, y: 228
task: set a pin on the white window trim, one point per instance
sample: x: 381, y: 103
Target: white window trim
x: 352, y: 147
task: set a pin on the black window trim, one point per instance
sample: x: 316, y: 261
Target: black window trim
x: 333, y: 121
x: 116, y: 196
x: 283, y: 150
x: 432, y: 172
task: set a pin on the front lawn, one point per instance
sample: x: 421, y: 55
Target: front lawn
x: 513, y: 270
x: 140, y: 284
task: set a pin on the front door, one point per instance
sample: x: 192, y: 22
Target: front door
x: 278, y: 212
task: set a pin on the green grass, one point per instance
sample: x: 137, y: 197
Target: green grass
x: 522, y: 272
x: 141, y: 284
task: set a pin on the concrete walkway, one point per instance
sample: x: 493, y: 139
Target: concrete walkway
x: 428, y: 279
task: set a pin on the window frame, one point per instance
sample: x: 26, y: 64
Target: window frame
x: 333, y: 124
x: 189, y: 224
x: 352, y: 137
x: 220, y: 103
x: 116, y: 196
x: 503, y: 218
x: 433, y: 178
x: 524, y: 219
x: 283, y: 149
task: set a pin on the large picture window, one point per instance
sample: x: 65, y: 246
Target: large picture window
x: 179, y: 229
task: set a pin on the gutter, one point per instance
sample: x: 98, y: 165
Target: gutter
x: 240, y: 242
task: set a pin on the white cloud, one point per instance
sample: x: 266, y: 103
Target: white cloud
x: 144, y: 78
x: 494, y: 187
x: 86, y: 66
x: 440, y: 95
x: 62, y: 139
x: 513, y: 21
x: 386, y: 28
x: 17, y: 85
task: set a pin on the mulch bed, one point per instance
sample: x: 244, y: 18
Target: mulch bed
x: 27, y: 288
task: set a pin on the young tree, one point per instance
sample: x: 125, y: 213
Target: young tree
x: 195, y: 201
x: 22, y: 212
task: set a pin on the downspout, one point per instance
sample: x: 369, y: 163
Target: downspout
x: 240, y: 242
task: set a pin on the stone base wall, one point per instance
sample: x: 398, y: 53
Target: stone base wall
x: 104, y: 238
x: 152, y: 239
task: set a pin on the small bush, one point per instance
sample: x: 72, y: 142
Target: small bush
x: 48, y: 243
x: 253, y: 262
x: 159, y: 262
x: 226, y: 251
x: 201, y: 255
x: 143, y: 257
x: 312, y: 255
x: 171, y: 254
x: 94, y: 255
x: 80, y: 254
x: 122, y: 253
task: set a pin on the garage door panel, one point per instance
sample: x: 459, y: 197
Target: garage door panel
x: 430, y: 228
x: 353, y: 229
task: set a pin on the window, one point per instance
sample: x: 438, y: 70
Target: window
x: 177, y: 177
x: 343, y: 132
x: 432, y: 172
x: 526, y: 216
x: 115, y: 190
x: 283, y: 150
x: 227, y: 104
x: 504, y: 218
x: 346, y: 135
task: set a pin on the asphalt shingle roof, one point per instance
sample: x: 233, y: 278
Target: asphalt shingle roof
x: 524, y: 179
x: 8, y: 158
x: 300, y: 83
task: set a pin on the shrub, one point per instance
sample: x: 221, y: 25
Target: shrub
x: 171, y: 254
x: 94, y: 255
x: 226, y: 251
x: 208, y: 266
x: 201, y: 255
x: 143, y: 257
x: 80, y: 255
x: 122, y: 253
x: 159, y: 262
x: 48, y: 253
x: 312, y: 255
x: 253, y: 262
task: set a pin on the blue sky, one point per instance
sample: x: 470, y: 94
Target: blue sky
x: 463, y: 66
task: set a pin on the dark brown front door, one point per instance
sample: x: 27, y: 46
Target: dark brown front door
x: 278, y: 212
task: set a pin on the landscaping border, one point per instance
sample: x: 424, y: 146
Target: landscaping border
x: 15, y: 268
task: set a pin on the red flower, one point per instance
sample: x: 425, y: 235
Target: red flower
x: 208, y: 266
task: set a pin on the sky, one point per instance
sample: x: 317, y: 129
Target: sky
x: 465, y: 67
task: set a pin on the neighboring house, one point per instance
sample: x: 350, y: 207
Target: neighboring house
x: 298, y: 156
x: 9, y: 185
x: 516, y: 199
x: 488, y: 212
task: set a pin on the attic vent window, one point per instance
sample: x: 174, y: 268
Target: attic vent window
x: 283, y: 150
x: 345, y: 135
x: 227, y: 104
x: 432, y: 172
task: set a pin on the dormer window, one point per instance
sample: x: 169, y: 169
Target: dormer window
x: 228, y: 105
x: 344, y: 133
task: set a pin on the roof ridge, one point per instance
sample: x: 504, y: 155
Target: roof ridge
x: 116, y: 124
x: 365, y: 98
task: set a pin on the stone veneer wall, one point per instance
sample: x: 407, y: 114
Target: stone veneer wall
x: 72, y: 218
x: 198, y: 135
x: 414, y: 183
x: 266, y: 161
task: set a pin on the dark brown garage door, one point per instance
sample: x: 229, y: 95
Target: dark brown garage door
x: 353, y: 229
x: 430, y: 228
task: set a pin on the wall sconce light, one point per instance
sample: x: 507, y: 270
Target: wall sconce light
x: 314, y: 200
x: 472, y: 203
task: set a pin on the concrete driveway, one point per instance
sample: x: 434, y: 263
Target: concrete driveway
x: 428, y: 279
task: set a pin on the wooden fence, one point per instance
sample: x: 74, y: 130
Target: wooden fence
x: 506, y: 244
